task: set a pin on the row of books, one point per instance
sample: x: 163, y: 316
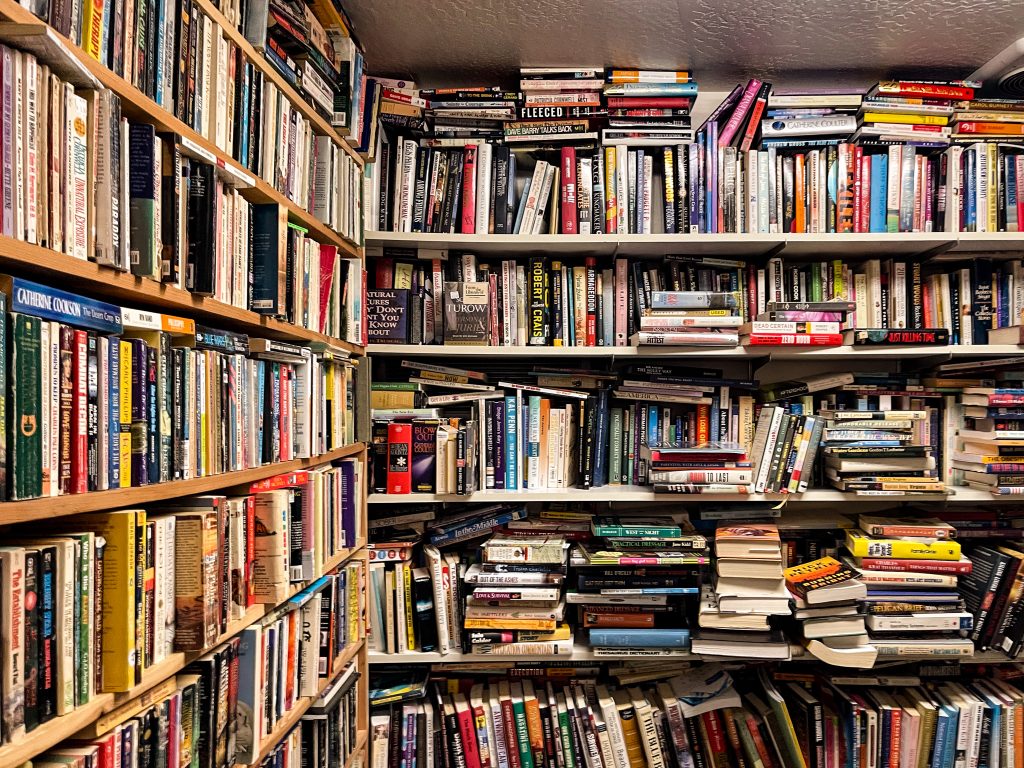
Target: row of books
x: 205, y: 715
x: 707, y: 716
x: 98, y: 599
x: 687, y: 300
x: 118, y: 397
x: 161, y: 205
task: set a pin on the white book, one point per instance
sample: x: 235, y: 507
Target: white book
x: 981, y: 179
x: 624, y: 190
x: 585, y: 194
x: 18, y: 143
x: 484, y: 159
x: 540, y: 220
x: 30, y: 145
x: 496, y: 725
x: 375, y: 594
x: 648, y: 733
x: 648, y: 187
x: 954, y: 188
x: 527, y: 224
x: 408, y: 183
x: 898, y: 293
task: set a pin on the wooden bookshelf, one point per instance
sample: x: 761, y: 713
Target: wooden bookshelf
x: 52, y: 267
x: 261, y: 63
x: 135, y: 104
x: 360, y: 748
x: 865, y: 245
x: 48, y: 507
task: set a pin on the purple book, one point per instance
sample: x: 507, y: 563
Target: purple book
x: 348, y: 503
x: 424, y: 452
x: 497, y: 426
x: 387, y: 315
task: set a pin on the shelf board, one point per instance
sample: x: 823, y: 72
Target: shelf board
x: 726, y: 245
x: 135, y: 104
x: 59, y: 506
x: 126, y: 289
x: 359, y: 748
x: 260, y: 62
x: 741, y: 353
x: 633, y: 493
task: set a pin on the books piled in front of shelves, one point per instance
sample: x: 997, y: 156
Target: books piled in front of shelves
x: 633, y: 583
x: 647, y: 108
x: 103, y: 597
x: 689, y: 318
x: 825, y: 594
x: 571, y: 301
x: 703, y: 716
x: 991, y: 593
x: 748, y: 588
x: 125, y: 398
x: 493, y: 611
x: 888, y: 452
x: 784, y: 450
x: 817, y: 324
x: 557, y: 106
x: 910, y: 611
x: 205, y: 712
x: 991, y: 442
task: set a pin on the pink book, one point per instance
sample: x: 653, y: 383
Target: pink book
x: 569, y: 191
x: 736, y: 119
x: 621, y: 302
x: 469, y: 191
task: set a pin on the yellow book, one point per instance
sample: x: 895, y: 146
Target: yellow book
x: 125, y: 414
x: 611, y: 200
x: 862, y: 545
x: 120, y: 659
x: 407, y: 593
x: 630, y: 730
x: 993, y: 185
x: 92, y: 28
x: 895, y: 117
x: 355, y: 585
x: 547, y: 625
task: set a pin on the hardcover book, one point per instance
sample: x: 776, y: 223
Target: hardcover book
x: 466, y: 314
x: 387, y: 315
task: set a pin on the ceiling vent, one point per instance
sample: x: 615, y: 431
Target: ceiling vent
x: 1003, y: 76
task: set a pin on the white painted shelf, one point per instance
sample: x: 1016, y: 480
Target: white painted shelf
x: 633, y: 493
x: 740, y: 353
x: 729, y: 245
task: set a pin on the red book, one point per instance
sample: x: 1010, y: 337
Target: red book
x: 250, y: 550
x: 511, y: 741
x: 762, y: 749
x: 399, y: 455
x: 469, y: 191
x: 923, y: 90
x: 568, y: 191
x: 957, y: 567
x: 364, y: 332
x: 79, y: 413
x: 384, y: 273
x: 858, y: 156
x: 755, y: 117
x: 678, y: 102
x: 735, y: 120
x: 993, y: 129
x: 492, y: 280
x: 467, y: 728
x: 328, y: 254
x: 591, y: 318
x: 713, y: 728
x: 794, y: 339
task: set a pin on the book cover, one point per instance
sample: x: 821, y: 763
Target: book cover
x: 466, y: 313
x: 387, y: 314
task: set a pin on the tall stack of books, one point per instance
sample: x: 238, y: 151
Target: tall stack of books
x: 912, y: 615
x: 748, y: 588
x: 558, y: 106
x: 689, y: 318
x: 706, y: 468
x: 648, y: 108
x: 990, y: 446
x: 461, y: 117
x: 990, y: 120
x: 537, y: 609
x: 637, y: 611
x: 904, y: 113
x: 811, y: 118
x: 881, y: 452
x: 817, y: 324
x: 825, y: 594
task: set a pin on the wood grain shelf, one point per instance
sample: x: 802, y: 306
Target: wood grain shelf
x: 360, y: 746
x: 48, y: 266
x: 60, y: 506
x: 261, y: 63
x: 135, y: 104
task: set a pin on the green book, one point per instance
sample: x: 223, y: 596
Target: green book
x: 3, y: 397
x: 522, y: 732
x: 563, y: 729
x: 630, y: 528
x: 615, y: 450
x: 26, y: 437
x: 396, y: 386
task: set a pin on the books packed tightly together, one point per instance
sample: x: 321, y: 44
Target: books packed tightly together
x: 610, y: 151
x: 98, y: 599
x: 118, y: 398
x: 429, y: 296
x: 623, y: 714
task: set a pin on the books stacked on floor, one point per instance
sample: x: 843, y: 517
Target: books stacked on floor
x: 689, y: 318
x: 909, y: 611
x: 882, y: 452
x: 992, y: 595
x: 558, y: 106
x: 814, y: 118
x: 639, y: 611
x: 748, y: 589
x: 990, y: 446
x: 989, y: 120
x: 914, y: 114
x: 648, y: 108
x: 500, y: 612
x: 816, y: 324
x: 825, y: 595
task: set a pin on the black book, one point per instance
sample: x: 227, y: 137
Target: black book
x: 456, y: 747
x: 502, y: 184
x: 152, y: 417
x: 32, y: 645
x: 178, y: 376
x: 420, y: 191
x: 510, y: 209
x: 423, y: 600
x: 200, y: 275
x: 386, y: 161
x: 979, y: 587
x: 588, y: 438
x: 269, y: 266
x: 453, y: 193
x: 172, y: 209
x: 92, y: 411
x: 206, y: 668
x: 185, y: 16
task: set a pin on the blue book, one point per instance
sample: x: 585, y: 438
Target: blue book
x: 250, y: 658
x: 498, y: 426
x: 1003, y: 308
x: 532, y: 431
x: 653, y: 432
x: 971, y: 193
x: 641, y: 638
x: 879, y: 178
x: 692, y: 182
x: 47, y: 303
x: 652, y: 89
x: 511, y: 444
x: 941, y: 735
x: 601, y: 441
x: 665, y: 591
x: 949, y: 750
x: 349, y: 492
x: 711, y: 160
x: 715, y: 419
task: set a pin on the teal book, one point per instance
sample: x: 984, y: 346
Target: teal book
x: 25, y: 395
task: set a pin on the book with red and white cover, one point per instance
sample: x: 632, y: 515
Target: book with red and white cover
x: 962, y: 90
x: 688, y: 338
x: 794, y: 339
x: 79, y: 413
x: 399, y: 477
x: 568, y: 191
x: 769, y: 327
x: 739, y: 114
x: 469, y: 190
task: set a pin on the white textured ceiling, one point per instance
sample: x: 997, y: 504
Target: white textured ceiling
x: 445, y: 41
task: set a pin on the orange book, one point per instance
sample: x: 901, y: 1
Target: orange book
x: 620, y: 620
x: 991, y: 129
x: 800, y: 174
x: 534, y: 729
